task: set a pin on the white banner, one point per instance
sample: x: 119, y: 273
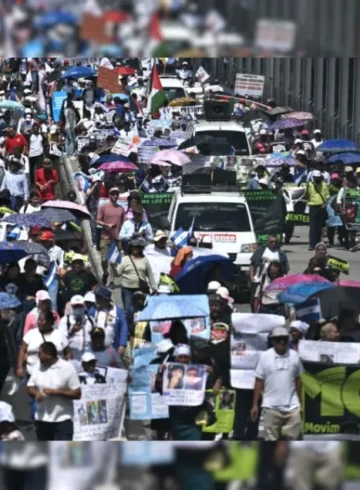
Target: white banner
x: 329, y: 352
x: 123, y: 146
x: 184, y: 384
x: 98, y: 416
x: 202, y: 74
x: 275, y: 35
x: 248, y: 340
x: 249, y: 85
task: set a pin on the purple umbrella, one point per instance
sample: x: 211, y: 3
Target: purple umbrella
x: 118, y: 167
x: 169, y: 157
x: 287, y: 124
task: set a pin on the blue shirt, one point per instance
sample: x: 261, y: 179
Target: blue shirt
x: 17, y: 185
x: 253, y: 184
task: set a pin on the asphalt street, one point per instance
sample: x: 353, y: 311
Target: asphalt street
x: 298, y: 255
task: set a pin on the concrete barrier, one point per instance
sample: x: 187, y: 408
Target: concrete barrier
x: 67, y: 168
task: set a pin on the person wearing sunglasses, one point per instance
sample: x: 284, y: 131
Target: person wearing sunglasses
x: 110, y: 217
x: 278, y: 384
x: 260, y: 261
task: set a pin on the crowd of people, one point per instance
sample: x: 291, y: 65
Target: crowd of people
x: 64, y: 322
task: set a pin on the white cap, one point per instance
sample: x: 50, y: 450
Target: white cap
x: 88, y: 357
x: 316, y: 173
x: 213, y: 286
x: 164, y: 346
x: 159, y: 235
x: 317, y: 131
x: 6, y: 413
x: 182, y: 350
x: 279, y: 332
x: 90, y: 297
x: 224, y: 293
x: 300, y: 152
x: 77, y: 300
x: 42, y: 296
x: 262, y: 131
x: 299, y: 325
x: 264, y: 181
x: 348, y: 169
x: 298, y: 141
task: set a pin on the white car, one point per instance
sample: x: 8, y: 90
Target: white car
x: 173, y: 87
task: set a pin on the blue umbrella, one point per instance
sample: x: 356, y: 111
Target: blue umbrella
x: 54, y: 17
x: 337, y: 146
x: 8, y: 301
x: 79, y: 72
x: 161, y: 142
x: 173, y: 307
x: 11, y: 105
x: 110, y: 158
x: 11, y: 253
x: 348, y: 158
x: 298, y: 293
x: 31, y: 248
x: 194, y: 277
x: 33, y: 219
x: 288, y: 123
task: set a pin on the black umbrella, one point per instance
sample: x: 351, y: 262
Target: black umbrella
x: 334, y: 300
x: 31, y: 248
x: 196, y: 140
x: 280, y: 111
x: 57, y: 215
x: 255, y: 115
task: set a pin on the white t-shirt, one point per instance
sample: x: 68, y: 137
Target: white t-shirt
x: 36, y: 145
x: 318, y: 447
x: 106, y: 320
x: 60, y: 376
x: 267, y: 257
x: 56, y: 254
x: 279, y: 373
x: 34, y: 339
x: 316, y: 143
x: 80, y: 341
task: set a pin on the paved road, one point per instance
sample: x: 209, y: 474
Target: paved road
x: 298, y: 256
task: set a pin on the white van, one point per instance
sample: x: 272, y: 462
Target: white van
x: 225, y: 217
x: 173, y: 87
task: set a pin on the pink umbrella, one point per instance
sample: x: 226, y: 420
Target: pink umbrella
x: 172, y: 157
x: 349, y: 283
x: 303, y: 116
x: 78, y: 209
x: 283, y: 283
x: 118, y: 167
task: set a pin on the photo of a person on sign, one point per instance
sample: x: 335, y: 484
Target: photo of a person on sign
x: 193, y: 379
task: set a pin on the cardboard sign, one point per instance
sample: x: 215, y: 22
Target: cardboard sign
x: 339, y: 265
x: 108, y: 80
x: 93, y: 29
x: 202, y: 74
x: 249, y: 85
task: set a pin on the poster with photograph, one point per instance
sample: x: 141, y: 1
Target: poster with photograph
x: 144, y: 401
x: 184, y: 384
x: 196, y: 327
x: 98, y: 415
x: 249, y: 338
x: 223, y: 406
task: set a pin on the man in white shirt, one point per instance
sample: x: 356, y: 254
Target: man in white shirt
x: 319, y: 461
x: 36, y: 150
x: 56, y: 254
x: 54, y: 384
x: 278, y: 384
x: 317, y: 139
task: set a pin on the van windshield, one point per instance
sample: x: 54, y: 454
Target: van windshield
x: 236, y: 139
x: 174, y: 93
x: 213, y: 217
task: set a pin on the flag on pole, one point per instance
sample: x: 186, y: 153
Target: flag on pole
x: 181, y: 237
x: 113, y: 255
x: 157, y: 96
x: 309, y: 311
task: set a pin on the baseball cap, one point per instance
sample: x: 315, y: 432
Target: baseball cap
x: 224, y: 293
x: 317, y: 131
x: 77, y: 257
x: 348, y: 169
x: 335, y: 176
x: 42, y: 296
x: 88, y: 357
x: 104, y: 293
x: 89, y: 297
x: 300, y: 152
x: 279, y: 332
x: 316, y: 173
x: 298, y: 141
x: 46, y: 235
x: 304, y: 131
x: 159, y: 235
x: 299, y: 325
x: 213, y: 286
x: 77, y: 299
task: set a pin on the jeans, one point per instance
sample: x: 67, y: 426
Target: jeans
x: 127, y: 299
x: 53, y: 290
x: 35, y: 479
x: 69, y: 142
x: 55, y: 431
x: 17, y: 202
x: 316, y: 214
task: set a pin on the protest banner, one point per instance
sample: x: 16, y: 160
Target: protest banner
x: 114, y: 376
x: 93, y: 29
x: 81, y: 462
x: 147, y: 453
x: 184, y: 384
x: 81, y: 181
x: 339, y: 264
x: 330, y: 401
x: 248, y: 340
x: 123, y: 146
x: 249, y: 85
x: 300, y: 216
x: 185, y: 111
x: 145, y: 402
x: 329, y: 352
x: 352, y: 206
x: 157, y: 207
x: 143, y: 356
x: 202, y: 74
x: 57, y: 100
x: 195, y: 327
x: 275, y: 35
x: 223, y: 404
x: 108, y: 80
x: 98, y: 415
x: 268, y: 212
